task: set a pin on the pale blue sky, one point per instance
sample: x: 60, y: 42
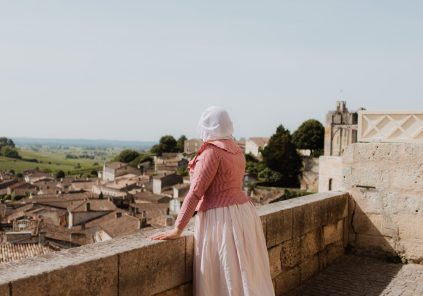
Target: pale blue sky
x: 135, y: 70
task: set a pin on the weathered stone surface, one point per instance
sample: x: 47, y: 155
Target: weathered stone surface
x: 287, y: 281
x: 412, y: 250
x: 314, y: 215
x: 373, y: 245
x: 263, y: 224
x: 189, y: 259
x: 90, y: 278
x: 311, y: 243
x: 392, y: 205
x: 335, y: 208
x: 304, y: 219
x: 278, y: 227
x: 309, y: 267
x: 183, y: 290
x: 333, y: 233
x: 4, y: 290
x: 275, y: 260
x: 370, y: 224
x: 330, y: 254
x: 291, y: 253
x: 153, y: 269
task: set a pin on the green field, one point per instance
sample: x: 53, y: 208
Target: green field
x: 53, y: 160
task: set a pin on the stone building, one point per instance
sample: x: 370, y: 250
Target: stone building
x: 170, y: 162
x: 254, y: 144
x: 116, y: 169
x: 340, y: 129
x: 340, y: 132
x: 165, y: 180
x: 191, y: 146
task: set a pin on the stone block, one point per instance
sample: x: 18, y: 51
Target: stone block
x: 278, y: 227
x: 275, y: 260
x: 333, y: 233
x: 290, y: 253
x: 303, y: 219
x: 405, y: 226
x: 314, y: 215
x: 345, y: 229
x: 309, y: 267
x: 331, y: 253
x: 368, y: 199
x: 4, y: 290
x: 189, y: 259
x: 370, y: 224
x: 263, y: 224
x: 335, y: 208
x: 98, y: 277
x: 183, y: 290
x: 375, y: 245
x: 413, y: 250
x: 153, y: 269
x: 287, y: 281
x: 311, y: 243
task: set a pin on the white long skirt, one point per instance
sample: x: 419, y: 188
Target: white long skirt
x: 230, y: 254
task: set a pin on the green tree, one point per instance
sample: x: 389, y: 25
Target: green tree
x: 6, y: 142
x: 143, y: 157
x: 167, y: 144
x: 127, y: 155
x: 310, y: 135
x: 60, y: 174
x: 280, y: 155
x: 269, y: 175
x: 180, y: 143
x: 9, y: 151
x: 101, y: 196
x: 249, y: 157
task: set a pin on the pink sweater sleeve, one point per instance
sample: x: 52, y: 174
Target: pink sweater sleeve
x: 204, y: 171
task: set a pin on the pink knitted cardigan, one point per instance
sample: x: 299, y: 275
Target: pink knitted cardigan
x: 216, y: 174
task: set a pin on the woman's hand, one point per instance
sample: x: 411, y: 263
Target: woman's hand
x: 171, y: 234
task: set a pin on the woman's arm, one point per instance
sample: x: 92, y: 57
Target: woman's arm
x: 204, y: 171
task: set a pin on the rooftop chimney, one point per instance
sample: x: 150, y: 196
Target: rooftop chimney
x: 87, y: 206
x: 142, y: 223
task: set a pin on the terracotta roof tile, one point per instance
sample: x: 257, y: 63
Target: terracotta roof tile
x: 14, y: 252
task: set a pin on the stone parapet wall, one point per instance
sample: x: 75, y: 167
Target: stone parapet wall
x: 385, y: 181
x: 303, y: 236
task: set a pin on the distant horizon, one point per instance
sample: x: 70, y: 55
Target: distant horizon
x: 77, y: 139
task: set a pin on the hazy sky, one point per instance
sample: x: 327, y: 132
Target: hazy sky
x: 135, y: 70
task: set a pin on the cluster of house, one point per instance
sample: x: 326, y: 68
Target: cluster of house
x: 42, y: 214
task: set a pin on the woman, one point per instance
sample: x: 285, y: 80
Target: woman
x: 230, y: 254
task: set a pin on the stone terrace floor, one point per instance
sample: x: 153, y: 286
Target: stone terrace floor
x: 353, y: 275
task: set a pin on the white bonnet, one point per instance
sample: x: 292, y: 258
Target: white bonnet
x: 215, y: 124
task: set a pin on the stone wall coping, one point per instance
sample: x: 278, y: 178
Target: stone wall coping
x: 297, y: 202
x: 10, y: 272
